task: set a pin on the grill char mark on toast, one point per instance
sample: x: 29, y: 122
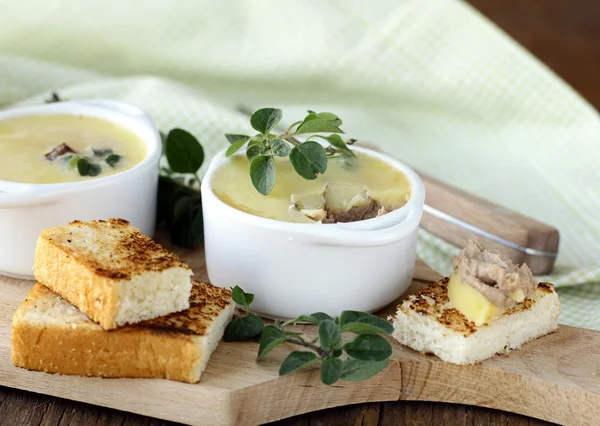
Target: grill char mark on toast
x: 433, y: 301
x: 205, y: 305
x: 136, y: 252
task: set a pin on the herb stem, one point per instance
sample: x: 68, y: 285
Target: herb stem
x: 292, y: 140
x: 301, y: 342
x: 285, y: 324
x: 289, y: 129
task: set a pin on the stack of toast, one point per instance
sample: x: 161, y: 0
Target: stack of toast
x: 112, y: 302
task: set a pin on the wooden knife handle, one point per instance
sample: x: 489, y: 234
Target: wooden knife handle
x: 455, y: 216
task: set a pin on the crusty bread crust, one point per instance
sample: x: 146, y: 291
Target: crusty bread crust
x: 71, y: 265
x: 428, y: 322
x: 50, y: 335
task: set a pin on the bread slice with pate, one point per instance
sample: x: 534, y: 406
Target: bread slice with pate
x: 51, y: 335
x: 427, y: 322
x: 112, y: 272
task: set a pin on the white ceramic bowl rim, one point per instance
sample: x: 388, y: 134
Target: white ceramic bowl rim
x: 385, y: 229
x: 18, y: 193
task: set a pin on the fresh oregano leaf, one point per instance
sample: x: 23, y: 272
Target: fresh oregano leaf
x: 320, y: 316
x: 330, y: 335
x: 297, y: 360
x: 305, y: 318
x: 198, y: 224
x: 233, y: 138
x: 112, y: 160
x: 331, y: 370
x: 315, y: 124
x: 184, y: 152
x: 309, y: 159
x: 263, y: 174
x: 181, y: 229
x: 54, y: 97
x: 362, y: 328
x: 337, y: 142
x: 94, y: 169
x: 265, y: 119
x: 361, y: 322
x: 234, y: 147
x: 243, y: 328
x: 254, y: 149
x: 330, y: 117
x: 166, y: 189
x: 240, y: 297
x: 169, y: 191
x: 356, y: 370
x: 236, y: 141
x: 270, y: 337
x: 280, y: 148
x: 83, y: 167
x: 181, y: 207
x: 101, y: 152
x: 368, y: 347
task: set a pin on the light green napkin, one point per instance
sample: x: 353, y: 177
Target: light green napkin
x: 432, y: 83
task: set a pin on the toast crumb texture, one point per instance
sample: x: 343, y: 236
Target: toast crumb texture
x: 112, y: 272
x: 51, y: 335
x: 427, y: 322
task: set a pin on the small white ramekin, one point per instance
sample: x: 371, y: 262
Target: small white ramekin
x: 299, y: 268
x: 27, y: 209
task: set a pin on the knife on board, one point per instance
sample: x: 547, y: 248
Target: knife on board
x: 455, y: 216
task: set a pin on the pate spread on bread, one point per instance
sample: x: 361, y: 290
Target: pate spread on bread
x: 487, y: 306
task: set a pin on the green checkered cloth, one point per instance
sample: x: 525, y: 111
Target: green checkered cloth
x: 433, y: 83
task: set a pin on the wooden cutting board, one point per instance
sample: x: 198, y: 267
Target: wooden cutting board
x: 555, y: 378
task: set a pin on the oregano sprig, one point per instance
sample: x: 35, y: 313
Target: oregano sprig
x: 244, y: 327
x: 359, y: 358
x: 309, y: 158
x: 179, y: 203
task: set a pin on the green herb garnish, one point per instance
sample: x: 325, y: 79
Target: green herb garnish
x: 94, y: 169
x: 83, y: 166
x: 309, y: 158
x: 179, y: 204
x: 359, y: 358
x: 112, y: 159
x: 87, y: 168
x: 54, y: 98
x: 101, y: 152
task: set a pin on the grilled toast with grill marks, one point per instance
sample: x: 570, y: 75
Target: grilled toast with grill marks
x: 112, y: 272
x: 427, y: 322
x: 51, y: 335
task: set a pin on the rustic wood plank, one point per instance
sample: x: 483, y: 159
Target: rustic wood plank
x: 33, y: 409
x: 566, y: 36
x: 549, y: 376
x: 352, y: 415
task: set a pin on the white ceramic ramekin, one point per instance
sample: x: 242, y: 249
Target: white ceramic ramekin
x: 27, y: 209
x: 296, y: 268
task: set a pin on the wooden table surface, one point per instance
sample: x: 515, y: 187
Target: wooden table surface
x: 565, y: 35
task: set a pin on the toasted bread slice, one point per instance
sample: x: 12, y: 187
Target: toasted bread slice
x: 427, y: 322
x: 112, y: 272
x: 51, y: 335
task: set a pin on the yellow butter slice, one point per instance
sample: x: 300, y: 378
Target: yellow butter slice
x: 470, y: 302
